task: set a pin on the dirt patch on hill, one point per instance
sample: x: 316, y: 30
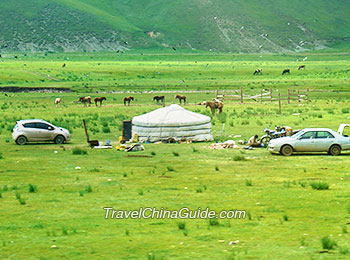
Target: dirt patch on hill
x: 15, y: 89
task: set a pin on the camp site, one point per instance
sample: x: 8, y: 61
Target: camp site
x: 122, y: 138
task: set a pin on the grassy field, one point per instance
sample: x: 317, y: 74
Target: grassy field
x: 50, y: 209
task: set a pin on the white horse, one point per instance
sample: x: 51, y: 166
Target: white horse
x: 58, y: 101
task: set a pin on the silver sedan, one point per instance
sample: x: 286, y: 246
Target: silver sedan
x: 311, y: 140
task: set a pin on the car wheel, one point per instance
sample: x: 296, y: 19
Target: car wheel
x: 59, y: 139
x: 21, y: 140
x: 335, y: 150
x: 287, y: 150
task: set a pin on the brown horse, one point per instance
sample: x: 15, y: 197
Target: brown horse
x: 159, y: 98
x: 99, y: 99
x: 85, y: 100
x: 301, y: 67
x: 180, y: 98
x: 128, y: 99
x: 214, y: 105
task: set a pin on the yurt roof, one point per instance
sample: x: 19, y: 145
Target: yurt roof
x: 173, y: 115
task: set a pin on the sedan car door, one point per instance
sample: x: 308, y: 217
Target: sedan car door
x: 30, y: 131
x: 323, y: 141
x: 45, y: 131
x: 305, y: 142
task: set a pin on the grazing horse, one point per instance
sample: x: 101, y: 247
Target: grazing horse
x: 180, y: 98
x: 99, y: 99
x: 159, y: 98
x: 301, y: 67
x: 286, y: 71
x: 214, y: 105
x: 85, y: 100
x: 257, y: 71
x: 128, y: 99
x: 58, y: 101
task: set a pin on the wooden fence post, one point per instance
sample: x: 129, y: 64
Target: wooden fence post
x: 241, y: 95
x: 270, y: 95
x: 288, y: 96
x: 279, y: 103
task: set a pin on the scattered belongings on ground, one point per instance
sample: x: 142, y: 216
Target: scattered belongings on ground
x: 230, y: 144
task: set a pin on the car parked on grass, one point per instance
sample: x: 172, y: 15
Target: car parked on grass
x: 37, y: 130
x: 311, y: 140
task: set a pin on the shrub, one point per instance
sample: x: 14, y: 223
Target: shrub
x: 88, y: 188
x: 106, y: 129
x: 79, y: 151
x: 170, y: 169
x: 217, y: 168
x: 22, y: 201
x: 176, y: 154
x: 32, y: 188
x: 328, y: 243
x: 1, y: 157
x: 285, y: 218
x: 239, y: 157
x: 153, y: 153
x: 319, y: 185
x: 213, y: 222
x: 248, y: 183
x: 181, y: 225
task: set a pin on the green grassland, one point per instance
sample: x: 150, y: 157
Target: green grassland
x: 286, y: 217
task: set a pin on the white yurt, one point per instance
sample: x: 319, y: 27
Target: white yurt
x: 172, y: 122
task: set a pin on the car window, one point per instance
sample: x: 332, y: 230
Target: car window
x: 324, y: 134
x: 308, y: 135
x: 41, y: 125
x: 29, y: 125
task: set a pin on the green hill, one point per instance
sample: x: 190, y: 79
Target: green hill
x: 221, y: 25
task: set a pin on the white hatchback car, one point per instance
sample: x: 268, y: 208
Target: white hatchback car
x: 37, y: 130
x: 311, y: 140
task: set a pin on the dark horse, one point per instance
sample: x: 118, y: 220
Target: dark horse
x: 85, y: 100
x: 99, y: 99
x: 257, y: 71
x: 286, y: 71
x: 159, y: 98
x: 301, y: 67
x: 128, y: 99
x: 180, y: 98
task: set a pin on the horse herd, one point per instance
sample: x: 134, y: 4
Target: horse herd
x: 285, y: 71
x: 126, y: 100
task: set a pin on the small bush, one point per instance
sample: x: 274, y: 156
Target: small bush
x: 79, y: 151
x: 5, y: 188
x: 248, y: 183
x: 170, y: 168
x: 106, y: 129
x: 319, y: 185
x: 285, y: 218
x: 22, y: 201
x: 239, y: 157
x: 213, y: 222
x: 181, y: 225
x: 328, y: 243
x: 176, y: 154
x: 18, y: 195
x: 217, y: 168
x: 153, y: 153
x: 1, y: 156
x: 194, y: 150
x: 64, y: 231
x: 88, y: 188
x: 140, y: 192
x: 199, y: 190
x: 32, y: 188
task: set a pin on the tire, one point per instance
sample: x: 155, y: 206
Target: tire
x: 265, y: 140
x: 21, y: 140
x: 59, y: 139
x: 287, y: 150
x: 335, y: 150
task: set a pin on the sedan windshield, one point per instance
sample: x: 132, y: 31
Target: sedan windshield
x: 298, y: 134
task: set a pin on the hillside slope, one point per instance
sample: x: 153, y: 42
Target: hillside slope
x: 221, y: 25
